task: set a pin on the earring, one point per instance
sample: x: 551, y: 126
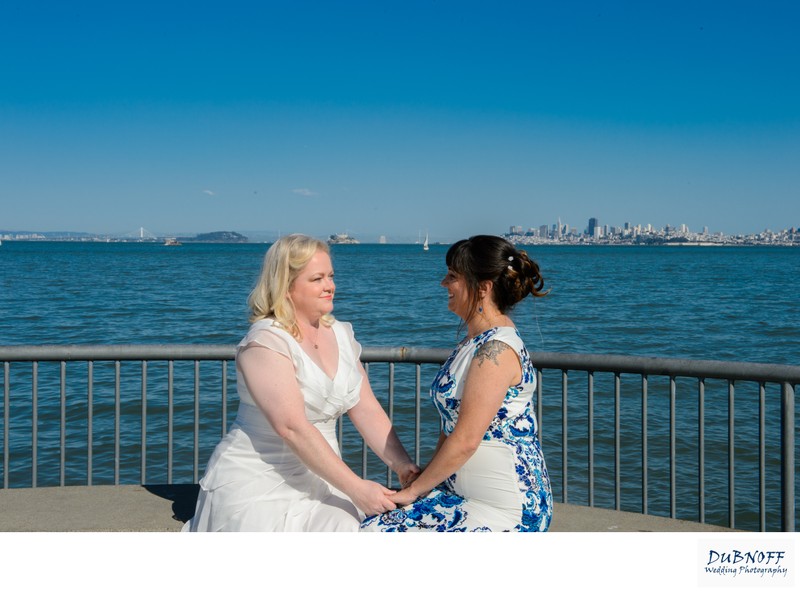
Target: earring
x: 480, y: 310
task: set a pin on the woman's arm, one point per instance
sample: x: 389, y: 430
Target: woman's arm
x: 494, y: 368
x: 271, y: 381
x: 374, y: 426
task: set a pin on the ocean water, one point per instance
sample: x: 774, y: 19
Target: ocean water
x: 717, y: 303
x: 725, y: 303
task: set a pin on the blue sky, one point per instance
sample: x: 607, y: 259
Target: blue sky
x: 397, y: 118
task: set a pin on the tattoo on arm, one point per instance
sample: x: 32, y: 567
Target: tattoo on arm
x: 490, y: 350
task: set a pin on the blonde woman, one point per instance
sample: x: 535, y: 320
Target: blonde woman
x: 279, y: 467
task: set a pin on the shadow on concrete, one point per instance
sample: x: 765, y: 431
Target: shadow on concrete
x: 183, y: 498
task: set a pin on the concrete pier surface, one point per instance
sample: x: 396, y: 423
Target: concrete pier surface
x: 164, y: 508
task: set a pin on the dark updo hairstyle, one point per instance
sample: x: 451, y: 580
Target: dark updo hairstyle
x: 483, y: 257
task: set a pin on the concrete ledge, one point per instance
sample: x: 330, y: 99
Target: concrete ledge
x: 164, y: 508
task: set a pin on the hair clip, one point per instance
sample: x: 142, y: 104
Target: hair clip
x: 510, y: 258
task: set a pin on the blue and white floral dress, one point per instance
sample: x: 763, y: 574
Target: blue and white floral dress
x: 504, y: 486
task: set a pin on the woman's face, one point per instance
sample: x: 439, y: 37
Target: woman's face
x: 457, y: 293
x: 312, y: 290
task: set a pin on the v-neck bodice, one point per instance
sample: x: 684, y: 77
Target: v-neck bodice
x: 311, y: 360
x: 325, y: 396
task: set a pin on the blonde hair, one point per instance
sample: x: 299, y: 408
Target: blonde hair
x: 283, y: 262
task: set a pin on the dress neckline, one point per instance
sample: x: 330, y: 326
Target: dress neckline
x: 314, y: 363
x: 495, y: 329
x: 276, y: 325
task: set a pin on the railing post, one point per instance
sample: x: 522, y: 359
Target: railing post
x: 117, y: 419
x: 590, y: 438
x: 363, y: 443
x: 672, y: 448
x: 731, y: 457
x: 564, y: 438
x: 6, y: 418
x: 617, y: 465
x: 539, y: 404
x: 417, y: 412
x: 644, y: 444
x: 390, y: 413
x: 701, y: 449
x: 34, y: 424
x: 762, y: 464
x: 196, y: 441
x: 787, y: 458
x: 170, y: 418
x: 224, y: 397
x: 89, y: 420
x: 63, y: 423
x: 143, y: 464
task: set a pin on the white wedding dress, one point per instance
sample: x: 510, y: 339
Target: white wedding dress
x: 254, y: 481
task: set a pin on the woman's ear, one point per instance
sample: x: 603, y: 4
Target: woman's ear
x: 485, y: 289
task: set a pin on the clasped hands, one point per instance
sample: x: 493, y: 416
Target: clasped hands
x: 407, y: 474
x: 374, y: 498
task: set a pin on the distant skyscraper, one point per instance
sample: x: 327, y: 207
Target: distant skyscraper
x: 594, y: 227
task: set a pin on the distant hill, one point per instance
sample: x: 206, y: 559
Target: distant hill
x: 222, y: 236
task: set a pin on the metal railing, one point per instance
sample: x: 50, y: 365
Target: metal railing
x: 102, y: 426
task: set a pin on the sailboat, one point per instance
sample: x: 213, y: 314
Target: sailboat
x: 425, y: 244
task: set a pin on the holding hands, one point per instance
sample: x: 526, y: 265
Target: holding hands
x: 404, y: 497
x: 407, y: 494
x: 371, y: 498
x: 407, y: 473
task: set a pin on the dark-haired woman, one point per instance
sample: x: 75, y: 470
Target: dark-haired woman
x: 488, y: 472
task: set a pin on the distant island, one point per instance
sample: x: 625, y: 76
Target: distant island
x: 220, y: 236
x: 342, y: 238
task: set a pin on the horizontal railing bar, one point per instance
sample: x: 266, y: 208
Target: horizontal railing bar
x: 76, y: 353
x: 681, y: 367
x: 652, y: 366
x: 423, y: 355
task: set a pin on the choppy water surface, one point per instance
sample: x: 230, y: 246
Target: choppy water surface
x: 710, y: 303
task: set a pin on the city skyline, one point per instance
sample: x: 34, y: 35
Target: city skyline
x: 646, y: 234
x: 593, y: 231
x: 375, y: 235
x: 451, y: 118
